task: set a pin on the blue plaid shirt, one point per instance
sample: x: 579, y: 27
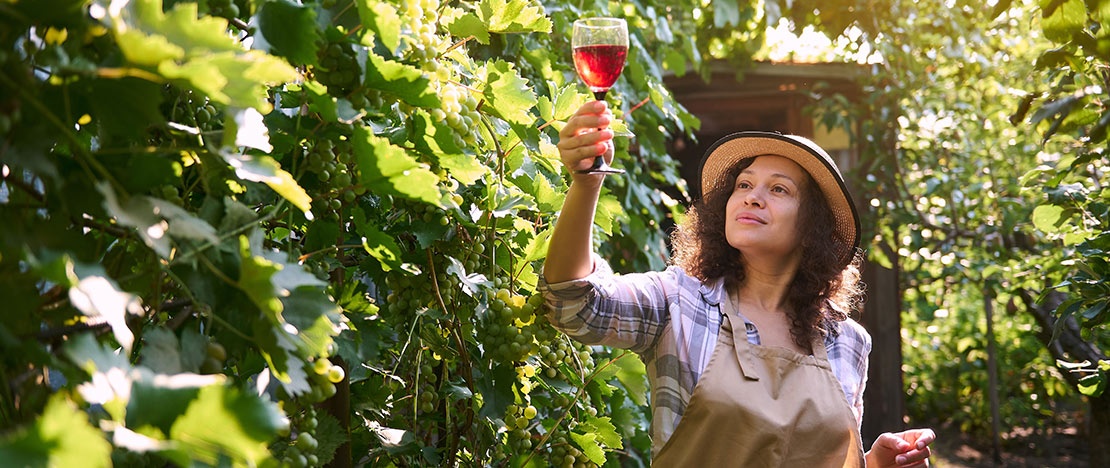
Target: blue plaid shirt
x: 671, y: 320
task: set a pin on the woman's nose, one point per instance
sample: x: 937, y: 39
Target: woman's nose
x: 754, y: 198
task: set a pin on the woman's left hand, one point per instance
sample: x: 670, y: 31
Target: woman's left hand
x: 904, y: 449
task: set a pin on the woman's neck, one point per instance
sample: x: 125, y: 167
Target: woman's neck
x: 766, y: 282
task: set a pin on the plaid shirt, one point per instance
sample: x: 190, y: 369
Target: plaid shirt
x: 671, y: 320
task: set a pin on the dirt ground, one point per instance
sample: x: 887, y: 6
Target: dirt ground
x: 1019, y: 448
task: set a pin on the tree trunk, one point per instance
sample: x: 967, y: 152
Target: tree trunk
x: 1069, y: 345
x: 992, y: 377
x: 884, y: 400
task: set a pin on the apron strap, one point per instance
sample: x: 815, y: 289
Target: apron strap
x: 744, y: 355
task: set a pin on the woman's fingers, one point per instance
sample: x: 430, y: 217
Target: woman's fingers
x: 586, y: 136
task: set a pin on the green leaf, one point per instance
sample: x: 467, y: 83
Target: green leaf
x: 604, y: 430
x: 381, y: 17
x: 633, y: 375
x: 433, y: 136
x: 226, y: 421
x: 537, y: 246
x: 315, y: 317
x: 126, y: 107
x: 99, y: 298
x: 142, y: 49
x: 507, y: 94
x: 589, y: 445
x: 403, y: 81
x: 388, y: 169
x: 255, y: 279
x: 1047, y: 218
x: 161, y: 351
x: 157, y: 400
x: 245, y: 128
x: 513, y: 16
x: 290, y: 30
x: 61, y: 436
x: 1092, y: 385
x: 464, y: 167
x: 266, y: 170
x: 379, y: 245
x: 1060, y: 24
x: 469, y: 25
x: 183, y: 45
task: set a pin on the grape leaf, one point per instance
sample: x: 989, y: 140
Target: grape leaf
x: 183, y: 45
x: 266, y: 170
x: 245, y: 127
x: 633, y: 375
x: 61, y: 436
x: 469, y: 25
x: 319, y: 101
x: 161, y: 351
x: 464, y: 167
x: 98, y: 297
x: 507, y: 94
x: 387, y: 169
x: 157, y: 400
x: 226, y: 421
x: 433, y: 136
x: 315, y: 317
x: 604, y: 430
x: 378, y: 244
x: 255, y: 279
x: 126, y: 107
x: 589, y: 445
x: 513, y: 16
x: 381, y: 17
x: 403, y: 81
x: 289, y: 30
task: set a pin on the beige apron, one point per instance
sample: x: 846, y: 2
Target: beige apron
x: 764, y: 406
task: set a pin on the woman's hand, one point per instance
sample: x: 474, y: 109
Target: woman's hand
x: 902, y: 449
x: 586, y: 136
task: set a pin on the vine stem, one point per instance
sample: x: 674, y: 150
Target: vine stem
x: 464, y: 355
x: 88, y: 163
x: 593, y: 375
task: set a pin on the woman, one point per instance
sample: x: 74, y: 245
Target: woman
x: 751, y: 356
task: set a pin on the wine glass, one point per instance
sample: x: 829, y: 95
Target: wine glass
x: 600, y: 47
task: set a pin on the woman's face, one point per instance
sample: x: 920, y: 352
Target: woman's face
x: 761, y: 216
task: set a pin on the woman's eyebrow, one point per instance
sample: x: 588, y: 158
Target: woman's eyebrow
x: 774, y: 175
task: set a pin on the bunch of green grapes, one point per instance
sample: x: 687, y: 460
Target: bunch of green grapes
x: 299, y: 449
x: 338, y: 67
x: 459, y: 109
x: 507, y: 332
x: 223, y: 8
x: 426, y: 395
x: 563, y: 453
x: 423, y: 42
x: 518, y: 421
x: 331, y: 160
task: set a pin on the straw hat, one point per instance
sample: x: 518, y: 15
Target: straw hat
x: 731, y: 149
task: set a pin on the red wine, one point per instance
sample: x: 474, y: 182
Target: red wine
x: 600, y: 65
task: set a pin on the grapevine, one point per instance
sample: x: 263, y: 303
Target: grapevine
x: 295, y: 204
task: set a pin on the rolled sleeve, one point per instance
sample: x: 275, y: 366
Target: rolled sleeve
x: 627, y: 311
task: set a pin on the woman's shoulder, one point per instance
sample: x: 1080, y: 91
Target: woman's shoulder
x: 709, y: 291
x: 851, y: 332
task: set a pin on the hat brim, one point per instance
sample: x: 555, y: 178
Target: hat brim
x: 731, y: 149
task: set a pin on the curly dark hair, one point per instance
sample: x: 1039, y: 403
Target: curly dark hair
x: 825, y: 289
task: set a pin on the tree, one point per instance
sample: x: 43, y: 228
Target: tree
x: 972, y: 111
